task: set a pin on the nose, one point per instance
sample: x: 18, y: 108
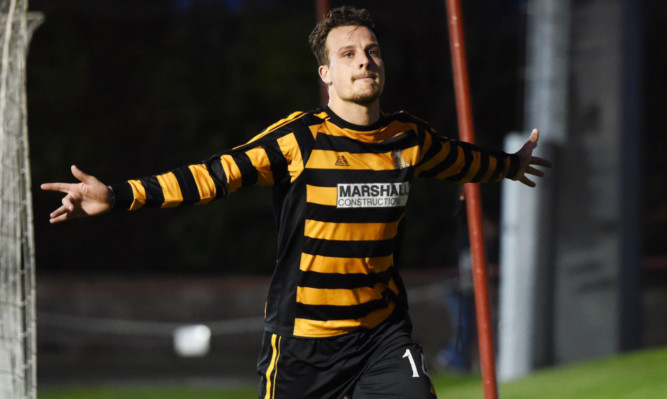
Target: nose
x: 364, y: 60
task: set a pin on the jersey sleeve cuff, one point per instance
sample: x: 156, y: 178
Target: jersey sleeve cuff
x: 123, y: 196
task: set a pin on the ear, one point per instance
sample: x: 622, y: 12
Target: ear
x: 323, y: 71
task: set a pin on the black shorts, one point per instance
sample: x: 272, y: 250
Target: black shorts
x: 380, y: 363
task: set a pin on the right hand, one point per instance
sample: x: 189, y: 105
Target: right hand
x: 527, y: 160
x: 88, y: 198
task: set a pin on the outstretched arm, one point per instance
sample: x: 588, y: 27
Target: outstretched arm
x: 89, y: 197
x: 527, y: 160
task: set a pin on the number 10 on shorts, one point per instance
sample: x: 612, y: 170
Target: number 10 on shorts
x: 413, y: 365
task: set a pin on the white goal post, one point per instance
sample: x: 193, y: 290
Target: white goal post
x: 17, y: 260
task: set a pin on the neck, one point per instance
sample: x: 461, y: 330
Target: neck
x: 357, y: 114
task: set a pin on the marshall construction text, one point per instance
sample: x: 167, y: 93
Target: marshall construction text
x: 372, y: 195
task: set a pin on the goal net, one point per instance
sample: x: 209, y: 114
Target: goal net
x: 17, y: 265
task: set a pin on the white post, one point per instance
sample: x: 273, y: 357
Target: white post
x: 525, y: 294
x: 517, y: 280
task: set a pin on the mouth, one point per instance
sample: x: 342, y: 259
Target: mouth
x: 361, y: 77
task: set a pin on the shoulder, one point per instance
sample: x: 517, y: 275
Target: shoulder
x: 297, y: 119
x: 420, y: 126
x: 407, y: 117
x: 298, y: 122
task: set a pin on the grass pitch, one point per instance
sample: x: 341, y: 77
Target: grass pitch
x: 636, y: 375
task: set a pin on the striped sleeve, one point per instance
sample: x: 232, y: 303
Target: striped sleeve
x: 259, y: 162
x: 192, y: 184
x: 461, y: 162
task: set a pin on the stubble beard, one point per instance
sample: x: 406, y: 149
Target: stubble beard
x: 368, y: 96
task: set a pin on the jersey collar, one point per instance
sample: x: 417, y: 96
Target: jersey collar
x: 340, y: 122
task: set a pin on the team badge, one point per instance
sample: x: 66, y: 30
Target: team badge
x: 399, y: 163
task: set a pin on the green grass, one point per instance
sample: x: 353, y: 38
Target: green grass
x: 636, y: 375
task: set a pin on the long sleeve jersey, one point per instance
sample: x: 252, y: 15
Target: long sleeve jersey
x: 339, y: 193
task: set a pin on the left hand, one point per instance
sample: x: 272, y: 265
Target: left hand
x: 87, y: 198
x: 527, y: 159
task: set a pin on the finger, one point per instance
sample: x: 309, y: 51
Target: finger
x: 81, y: 175
x: 534, y: 136
x: 528, y: 146
x: 67, y: 203
x: 540, y: 161
x: 59, y: 218
x: 58, y: 214
x: 527, y: 181
x: 62, y: 187
x: 534, y: 171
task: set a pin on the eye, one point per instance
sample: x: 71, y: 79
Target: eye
x: 348, y: 54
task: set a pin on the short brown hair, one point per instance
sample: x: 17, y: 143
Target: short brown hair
x: 341, y: 16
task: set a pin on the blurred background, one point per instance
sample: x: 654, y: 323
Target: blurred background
x: 127, y: 88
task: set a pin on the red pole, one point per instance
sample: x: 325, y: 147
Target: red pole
x: 473, y: 202
x: 322, y: 7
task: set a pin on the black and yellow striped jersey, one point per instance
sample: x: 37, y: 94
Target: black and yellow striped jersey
x: 339, y: 192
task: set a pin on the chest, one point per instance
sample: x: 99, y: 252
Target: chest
x: 348, y: 174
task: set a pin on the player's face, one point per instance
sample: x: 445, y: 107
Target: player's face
x: 356, y: 71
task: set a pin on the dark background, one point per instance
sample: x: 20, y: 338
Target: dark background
x: 127, y: 88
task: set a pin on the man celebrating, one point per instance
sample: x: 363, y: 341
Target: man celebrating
x: 336, y: 320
